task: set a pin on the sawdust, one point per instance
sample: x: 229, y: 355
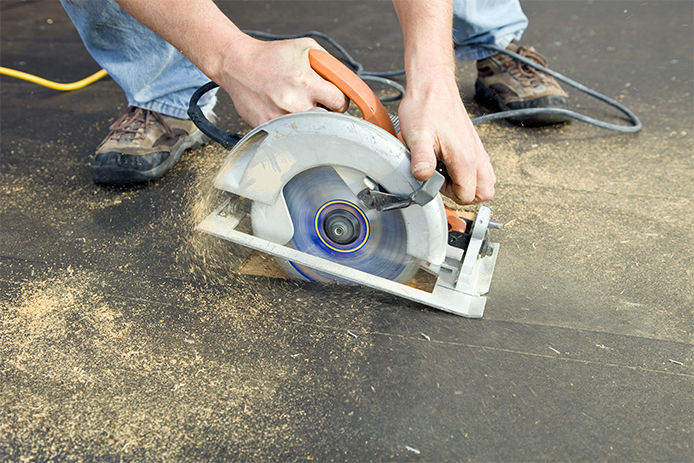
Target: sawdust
x: 202, y: 257
x: 51, y: 313
x: 85, y: 372
x: 261, y: 264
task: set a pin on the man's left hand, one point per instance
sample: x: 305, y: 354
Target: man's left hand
x: 435, y: 126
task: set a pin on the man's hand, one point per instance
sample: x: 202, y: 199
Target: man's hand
x: 435, y: 126
x: 268, y: 79
x: 264, y: 79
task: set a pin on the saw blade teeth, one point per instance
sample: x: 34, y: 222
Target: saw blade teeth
x: 396, y: 121
x: 381, y: 251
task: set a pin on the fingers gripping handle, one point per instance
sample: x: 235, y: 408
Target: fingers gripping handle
x: 331, y: 69
x: 328, y: 67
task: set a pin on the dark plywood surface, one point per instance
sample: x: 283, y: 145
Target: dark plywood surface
x: 124, y: 337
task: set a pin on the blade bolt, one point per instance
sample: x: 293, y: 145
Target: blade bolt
x: 341, y: 227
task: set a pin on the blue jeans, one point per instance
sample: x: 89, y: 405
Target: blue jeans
x: 152, y: 73
x: 156, y: 76
x: 489, y: 22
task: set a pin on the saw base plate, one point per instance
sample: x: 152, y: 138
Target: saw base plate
x: 462, y: 279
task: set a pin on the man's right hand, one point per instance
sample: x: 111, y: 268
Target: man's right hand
x: 434, y: 123
x: 268, y: 79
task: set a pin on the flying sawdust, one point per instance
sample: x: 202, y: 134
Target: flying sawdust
x: 202, y: 257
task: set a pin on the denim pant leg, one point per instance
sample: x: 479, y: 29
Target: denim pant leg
x: 151, y: 72
x: 494, y: 22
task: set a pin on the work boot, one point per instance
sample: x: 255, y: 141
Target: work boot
x: 505, y: 83
x: 143, y: 145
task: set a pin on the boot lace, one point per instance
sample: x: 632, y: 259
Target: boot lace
x: 526, y: 75
x: 135, y: 122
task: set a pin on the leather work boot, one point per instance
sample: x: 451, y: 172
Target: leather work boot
x: 505, y: 83
x: 143, y: 145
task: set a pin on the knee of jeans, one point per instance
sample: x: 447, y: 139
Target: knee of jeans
x: 92, y: 12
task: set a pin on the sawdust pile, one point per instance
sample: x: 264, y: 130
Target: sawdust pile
x: 56, y: 312
x: 87, y: 372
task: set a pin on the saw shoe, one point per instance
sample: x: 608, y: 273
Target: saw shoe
x: 504, y: 83
x: 143, y: 145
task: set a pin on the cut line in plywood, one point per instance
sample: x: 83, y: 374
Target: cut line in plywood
x: 260, y: 264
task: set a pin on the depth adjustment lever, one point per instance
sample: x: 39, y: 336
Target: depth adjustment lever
x: 374, y: 198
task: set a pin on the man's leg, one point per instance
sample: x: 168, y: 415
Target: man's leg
x: 158, y: 82
x: 502, y: 82
x: 491, y: 22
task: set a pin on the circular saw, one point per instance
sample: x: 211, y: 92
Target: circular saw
x: 332, y: 197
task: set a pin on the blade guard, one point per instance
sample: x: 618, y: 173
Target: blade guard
x: 269, y: 156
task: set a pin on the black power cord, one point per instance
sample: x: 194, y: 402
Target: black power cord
x: 383, y: 78
x: 635, y: 121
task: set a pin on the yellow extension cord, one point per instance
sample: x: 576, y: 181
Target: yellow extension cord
x: 49, y: 83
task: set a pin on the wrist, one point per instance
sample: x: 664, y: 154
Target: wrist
x: 423, y: 84
x: 424, y: 69
x: 232, y: 53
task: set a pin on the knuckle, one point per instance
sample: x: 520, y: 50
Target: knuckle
x: 290, y: 103
x: 283, y: 102
x: 485, y: 194
x: 307, y: 42
x: 298, y: 80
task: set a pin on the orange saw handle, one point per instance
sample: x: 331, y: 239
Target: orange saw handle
x: 332, y: 70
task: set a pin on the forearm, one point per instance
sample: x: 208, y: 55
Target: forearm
x: 433, y: 120
x: 427, y: 30
x: 264, y: 79
x: 197, y: 28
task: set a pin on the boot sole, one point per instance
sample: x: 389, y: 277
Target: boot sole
x: 114, y: 175
x: 491, y: 100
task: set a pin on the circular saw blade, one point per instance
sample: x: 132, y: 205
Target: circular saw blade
x: 379, y: 246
